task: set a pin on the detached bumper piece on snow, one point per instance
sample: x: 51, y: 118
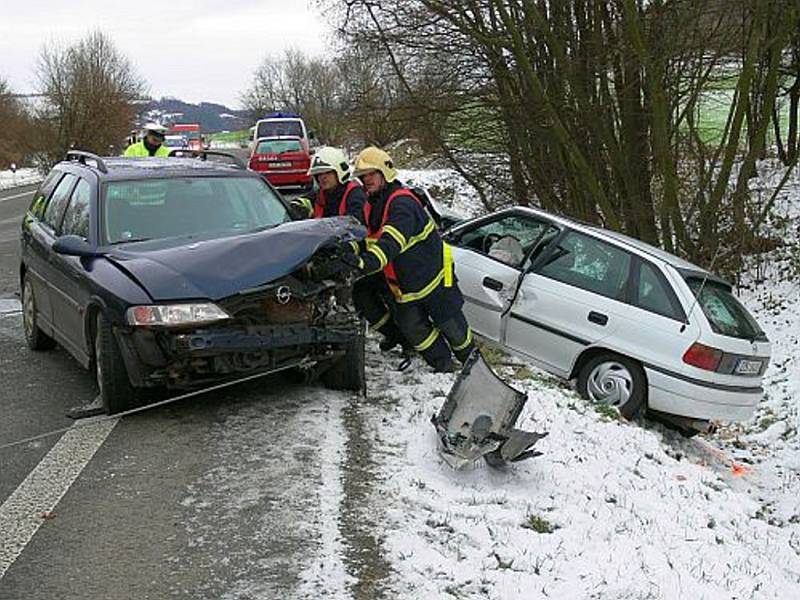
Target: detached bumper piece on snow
x: 478, y: 418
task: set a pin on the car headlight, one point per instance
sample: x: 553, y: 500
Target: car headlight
x: 176, y: 314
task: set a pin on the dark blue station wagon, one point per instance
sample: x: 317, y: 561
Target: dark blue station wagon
x: 184, y: 272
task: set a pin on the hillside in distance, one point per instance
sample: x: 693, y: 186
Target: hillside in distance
x: 211, y: 117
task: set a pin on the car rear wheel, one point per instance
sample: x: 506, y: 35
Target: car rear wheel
x: 116, y: 392
x: 347, y: 373
x: 35, y: 337
x: 616, y: 381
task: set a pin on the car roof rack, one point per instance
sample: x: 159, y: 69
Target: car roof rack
x: 81, y: 157
x: 204, y: 154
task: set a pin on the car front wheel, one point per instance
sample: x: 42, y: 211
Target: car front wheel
x: 35, y: 337
x: 347, y: 373
x: 116, y: 392
x: 616, y: 381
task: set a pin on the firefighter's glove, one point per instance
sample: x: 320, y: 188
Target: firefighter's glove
x: 301, y: 208
x: 351, y: 258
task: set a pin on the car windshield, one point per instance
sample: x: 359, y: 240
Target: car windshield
x: 188, y: 206
x: 277, y: 128
x: 724, y: 312
x: 278, y: 146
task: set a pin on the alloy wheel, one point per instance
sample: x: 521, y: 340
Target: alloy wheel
x: 98, y: 361
x: 28, y: 309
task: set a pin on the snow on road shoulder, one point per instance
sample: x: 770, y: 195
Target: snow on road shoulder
x: 447, y: 188
x: 21, y: 177
x: 610, y: 510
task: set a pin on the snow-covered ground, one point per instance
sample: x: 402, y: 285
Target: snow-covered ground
x: 611, y: 509
x: 21, y: 177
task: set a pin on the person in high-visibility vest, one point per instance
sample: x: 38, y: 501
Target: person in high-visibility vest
x: 404, y: 243
x: 337, y: 194
x: 152, y: 143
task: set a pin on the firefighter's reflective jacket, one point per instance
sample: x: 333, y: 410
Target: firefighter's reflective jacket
x: 402, y: 240
x: 139, y: 149
x: 345, y: 199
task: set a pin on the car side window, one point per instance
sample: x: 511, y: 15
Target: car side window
x: 508, y: 239
x: 76, y: 218
x: 652, y: 293
x: 590, y: 264
x: 43, y: 193
x: 58, y: 202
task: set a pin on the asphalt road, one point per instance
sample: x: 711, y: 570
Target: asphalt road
x: 256, y: 491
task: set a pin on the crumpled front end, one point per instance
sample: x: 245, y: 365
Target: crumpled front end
x: 299, y: 320
x: 477, y: 419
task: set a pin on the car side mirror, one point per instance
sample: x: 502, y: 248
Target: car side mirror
x: 73, y: 245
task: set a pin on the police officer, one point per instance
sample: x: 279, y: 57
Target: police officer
x: 152, y: 143
x: 336, y: 195
x: 403, y: 242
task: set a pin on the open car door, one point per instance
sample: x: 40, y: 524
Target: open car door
x: 490, y: 256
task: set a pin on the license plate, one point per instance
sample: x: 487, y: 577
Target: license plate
x: 748, y: 367
x: 280, y: 165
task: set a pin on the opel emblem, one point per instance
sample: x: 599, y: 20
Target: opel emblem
x: 283, y: 295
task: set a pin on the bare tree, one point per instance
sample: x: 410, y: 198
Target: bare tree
x: 14, y: 143
x: 297, y: 83
x: 597, y: 103
x: 90, y: 89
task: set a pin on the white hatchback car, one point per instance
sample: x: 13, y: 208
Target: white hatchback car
x: 636, y: 326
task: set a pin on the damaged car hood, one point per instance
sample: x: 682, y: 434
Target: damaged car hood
x: 217, y: 268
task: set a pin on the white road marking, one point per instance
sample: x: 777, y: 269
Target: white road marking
x: 9, y: 306
x: 25, y: 509
x: 15, y: 220
x: 30, y: 193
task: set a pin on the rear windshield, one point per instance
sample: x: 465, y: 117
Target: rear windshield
x: 724, y: 312
x: 175, y: 142
x: 277, y: 128
x: 278, y: 146
x: 161, y: 208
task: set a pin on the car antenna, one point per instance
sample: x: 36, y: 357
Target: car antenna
x: 700, y: 289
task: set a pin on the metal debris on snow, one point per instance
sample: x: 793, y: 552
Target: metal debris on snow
x: 478, y: 419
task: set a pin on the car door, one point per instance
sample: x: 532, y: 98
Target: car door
x: 655, y: 330
x: 488, y: 258
x: 42, y: 236
x: 575, y: 295
x: 69, y: 284
x: 34, y: 250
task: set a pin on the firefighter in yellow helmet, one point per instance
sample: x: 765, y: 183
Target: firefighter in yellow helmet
x: 337, y: 194
x: 404, y: 243
x: 152, y: 144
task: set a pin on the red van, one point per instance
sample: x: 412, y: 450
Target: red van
x: 283, y: 161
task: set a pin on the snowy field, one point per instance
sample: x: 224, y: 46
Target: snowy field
x: 21, y: 177
x: 612, y: 509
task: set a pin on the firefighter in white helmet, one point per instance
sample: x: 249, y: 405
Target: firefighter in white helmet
x: 337, y: 194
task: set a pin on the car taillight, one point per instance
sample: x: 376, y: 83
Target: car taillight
x: 703, y: 357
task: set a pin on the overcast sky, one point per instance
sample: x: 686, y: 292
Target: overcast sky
x: 200, y: 50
